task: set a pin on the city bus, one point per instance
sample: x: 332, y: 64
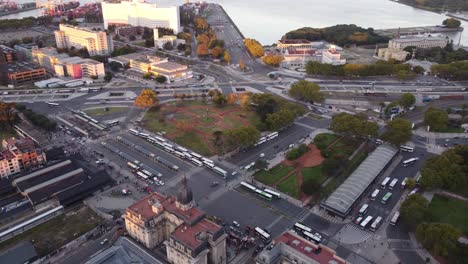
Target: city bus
x: 142, y: 175
x: 220, y: 171
x: 384, y: 183
x: 395, y: 217
x: 366, y: 221
x: 160, y: 139
x: 205, y: 160
x: 113, y: 123
x: 168, y: 149
x: 94, y: 120
x: 311, y: 237
x: 274, y: 194
x: 147, y: 173
x: 272, y: 136
x: 132, y: 166
x: 143, y: 135
x: 409, y: 161
x: 375, y: 194
x: 196, y: 155
x: 196, y: 162
x: 376, y: 224
x: 208, y: 164
x: 363, y: 209
x: 262, y: 233
x: 133, y: 132
x: 188, y: 156
x: 392, y: 184
x: 179, y: 154
x: 386, y: 197
x: 263, y: 194
x: 248, y: 186
x: 406, y: 148
x: 181, y: 149
x: 302, y: 228
x: 53, y: 104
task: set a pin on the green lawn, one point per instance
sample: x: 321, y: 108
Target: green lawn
x: 313, y: 173
x: 451, y: 211
x: 314, y: 116
x: 289, y: 186
x: 273, y: 175
x: 102, y: 111
x: 452, y: 130
x: 57, y: 232
x: 193, y: 142
x: 152, y: 122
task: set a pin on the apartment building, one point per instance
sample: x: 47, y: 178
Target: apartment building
x: 418, y: 42
x: 21, y: 73
x: 189, y: 237
x: 19, y: 154
x: 160, y: 41
x: 7, y: 54
x: 392, y: 53
x: 25, y: 50
x: 97, y: 42
x: 141, y: 13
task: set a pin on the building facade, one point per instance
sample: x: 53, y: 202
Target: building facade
x: 25, y: 50
x: 17, y: 155
x: 160, y: 41
x: 21, y: 73
x: 96, y: 42
x: 141, y: 13
x: 189, y: 237
x: 392, y: 53
x: 418, y: 42
x: 297, y: 52
x: 7, y: 54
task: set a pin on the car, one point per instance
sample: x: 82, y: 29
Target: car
x: 262, y: 155
x: 415, y: 190
x: 358, y: 220
x: 235, y: 223
x: 104, y: 241
x: 234, y: 173
x: 215, y: 183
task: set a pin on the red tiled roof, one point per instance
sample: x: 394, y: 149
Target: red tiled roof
x: 188, y: 235
x: 309, y: 249
x: 294, y: 41
x: 144, y: 206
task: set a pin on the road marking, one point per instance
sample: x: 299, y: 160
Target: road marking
x: 274, y: 222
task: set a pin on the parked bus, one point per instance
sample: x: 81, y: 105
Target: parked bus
x: 205, y: 160
x: 179, y: 154
x: 142, y: 175
x: 143, y: 135
x: 220, y: 171
x: 248, y: 186
x: 409, y: 161
x: 94, y: 120
x: 395, y: 217
x: 263, y: 194
x: 272, y: 136
x: 302, y: 228
x: 208, y: 164
x: 113, y: 123
x: 311, y: 237
x: 403, y: 183
x: 196, y: 162
x: 386, y: 197
x: 366, y: 221
x: 393, y: 183
x: 375, y: 194
x: 53, y: 104
x: 406, y: 148
x: 160, y: 139
x: 376, y: 224
x: 132, y: 166
x: 187, y: 155
x: 273, y: 193
x: 181, y: 149
x: 168, y: 149
x: 363, y: 209
x: 147, y: 173
x: 133, y: 132
x: 196, y: 155
x: 384, y: 183
x: 262, y: 233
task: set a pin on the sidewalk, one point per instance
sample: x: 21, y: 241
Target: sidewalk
x: 422, y: 132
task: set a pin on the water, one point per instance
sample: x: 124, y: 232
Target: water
x: 268, y: 20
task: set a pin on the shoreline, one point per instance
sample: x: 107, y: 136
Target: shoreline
x: 17, y: 11
x: 461, y: 17
x: 418, y: 7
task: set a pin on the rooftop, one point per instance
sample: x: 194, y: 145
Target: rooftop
x: 295, y: 51
x: 169, y: 66
x: 193, y: 236
x: 22, y: 252
x: 17, y: 66
x: 6, y: 49
x: 294, y: 41
x: 415, y: 39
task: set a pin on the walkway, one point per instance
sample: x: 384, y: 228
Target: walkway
x: 452, y: 195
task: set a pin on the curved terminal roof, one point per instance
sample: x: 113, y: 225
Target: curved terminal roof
x: 341, y: 200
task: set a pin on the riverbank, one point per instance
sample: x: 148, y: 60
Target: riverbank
x: 413, y: 31
x: 462, y: 16
x: 419, y: 7
x: 17, y: 11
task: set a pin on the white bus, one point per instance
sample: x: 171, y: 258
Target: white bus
x: 272, y: 136
x: 384, y: 183
x: 205, y: 160
x: 196, y: 155
x: 132, y: 166
x: 403, y: 183
x: 302, y: 228
x: 113, y: 123
x: 363, y: 209
x: 263, y: 234
x: 196, y: 162
x: 406, y: 148
x: 133, y: 132
x: 409, y: 161
x: 393, y: 183
x: 273, y: 193
x: 147, y: 173
x: 160, y: 139
x: 94, y: 120
x: 376, y: 224
x: 248, y: 186
x: 187, y: 155
x: 142, y: 175
x: 366, y: 221
x: 208, y: 164
x: 179, y: 154
x: 386, y: 197
x: 143, y: 135
x: 168, y: 149
x: 220, y: 171
x: 311, y: 237
x: 375, y: 194
x: 53, y: 104
x: 168, y: 145
x: 181, y: 149
x: 395, y: 217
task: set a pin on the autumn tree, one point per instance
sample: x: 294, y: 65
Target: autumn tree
x: 233, y: 98
x: 245, y: 101
x: 273, y: 60
x: 254, y: 47
x: 241, y: 65
x: 201, y: 24
x: 306, y: 91
x: 227, y: 57
x: 7, y: 114
x: 202, y: 50
x: 216, y: 52
x: 147, y: 98
x: 211, y: 93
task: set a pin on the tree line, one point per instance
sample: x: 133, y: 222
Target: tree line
x: 26, y: 22
x: 457, y: 71
x: 437, y: 54
x: 37, y: 119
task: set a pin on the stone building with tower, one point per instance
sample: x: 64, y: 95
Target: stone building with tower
x: 177, y: 222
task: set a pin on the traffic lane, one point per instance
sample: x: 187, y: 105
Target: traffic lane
x: 398, y: 231
x: 452, y: 142
x: 183, y: 165
x: 286, y: 207
x: 408, y: 256
x: 320, y: 225
x: 284, y: 139
x: 324, y: 123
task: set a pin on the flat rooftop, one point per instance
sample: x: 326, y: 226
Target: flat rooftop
x: 416, y: 39
x: 19, y: 66
x: 294, y: 41
x: 170, y: 66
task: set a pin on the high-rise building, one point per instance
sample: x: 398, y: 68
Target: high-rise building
x: 95, y: 41
x: 141, y: 13
x: 189, y: 237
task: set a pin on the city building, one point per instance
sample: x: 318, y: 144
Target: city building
x: 418, y: 42
x: 332, y: 56
x: 21, y: 73
x: 160, y: 41
x: 297, y: 52
x: 25, y: 51
x: 19, y: 154
x: 97, y: 42
x: 127, y: 31
x: 289, y: 248
x: 7, y: 54
x: 284, y: 44
x: 392, y: 53
x: 141, y: 13
x: 63, y: 65
x: 189, y: 237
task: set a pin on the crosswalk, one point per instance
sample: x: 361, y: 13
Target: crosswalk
x: 323, y: 214
x: 352, y: 234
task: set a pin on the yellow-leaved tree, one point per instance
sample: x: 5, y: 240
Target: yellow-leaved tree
x: 147, y: 98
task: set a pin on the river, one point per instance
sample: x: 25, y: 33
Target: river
x: 268, y: 20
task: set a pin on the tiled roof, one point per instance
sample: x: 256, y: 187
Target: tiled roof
x: 191, y: 236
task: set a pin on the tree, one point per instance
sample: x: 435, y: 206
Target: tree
x: 147, y: 75
x: 353, y: 125
x: 202, y: 50
x: 108, y: 76
x: 280, y: 119
x: 168, y: 46
x: 410, y: 183
x: 244, y: 101
x: 181, y: 47
x: 220, y: 99
x: 407, y: 100
x: 132, y: 38
x: 147, y: 98
x: 211, y: 93
x: 398, y: 131
x: 436, y: 119
x: 306, y: 91
x: 7, y: 114
x: 261, y: 164
x: 149, y: 42
x: 254, y: 47
x: 439, y: 238
x: 244, y: 136
x: 184, y: 126
x: 241, y: 65
x: 418, y: 69
x: 273, y: 60
x: 161, y: 78
x: 216, y: 52
x: 413, y: 210
x: 451, y: 23
x: 115, y: 66
x: 311, y: 186
x: 233, y: 98
x: 218, y: 140
x: 227, y: 57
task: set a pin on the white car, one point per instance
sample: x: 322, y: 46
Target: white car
x: 262, y: 155
x: 104, y: 241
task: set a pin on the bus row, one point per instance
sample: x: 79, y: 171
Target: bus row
x: 266, y: 138
x: 180, y: 152
x: 307, y: 233
x: 144, y: 172
x: 364, y: 222
x: 87, y: 119
x: 265, y: 193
